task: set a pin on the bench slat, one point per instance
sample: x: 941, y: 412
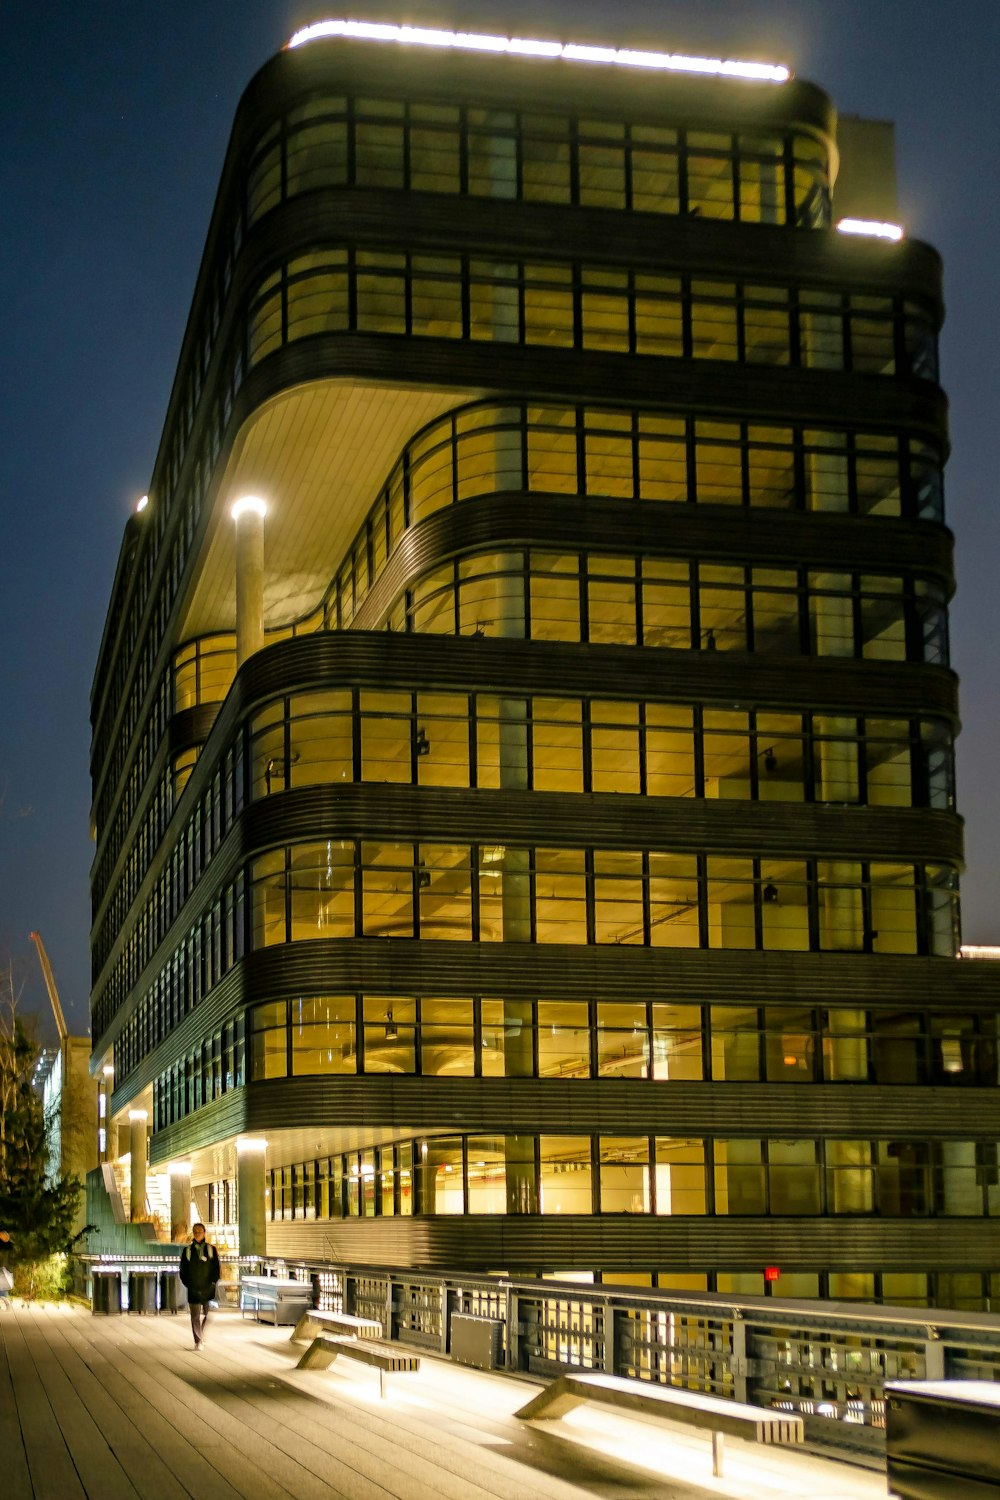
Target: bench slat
x: 314, y: 1321
x: 714, y: 1413
x: 384, y: 1357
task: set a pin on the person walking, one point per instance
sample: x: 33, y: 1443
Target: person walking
x: 200, y: 1271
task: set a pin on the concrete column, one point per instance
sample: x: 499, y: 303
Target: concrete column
x: 248, y: 514
x: 250, y: 1158
x: 180, y: 1200
x: 137, y: 1164
x: 104, y: 1119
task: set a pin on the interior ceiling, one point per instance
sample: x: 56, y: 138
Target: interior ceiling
x: 318, y: 455
x: 305, y: 1143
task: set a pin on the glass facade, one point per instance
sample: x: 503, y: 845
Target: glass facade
x: 633, y: 784
x: 659, y: 1175
x: 576, y: 306
x: 399, y: 145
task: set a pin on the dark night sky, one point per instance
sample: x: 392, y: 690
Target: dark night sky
x: 115, y: 121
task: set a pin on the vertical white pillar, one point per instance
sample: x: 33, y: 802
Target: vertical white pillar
x: 137, y: 1164
x: 248, y: 514
x: 180, y: 1200
x: 108, y: 1145
x: 250, y: 1158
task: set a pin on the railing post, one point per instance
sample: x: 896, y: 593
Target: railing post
x: 934, y: 1356
x: 350, y: 1294
x: 738, y: 1362
x: 607, y: 1351
x: 448, y: 1300
x: 389, y: 1310
x: 511, y: 1316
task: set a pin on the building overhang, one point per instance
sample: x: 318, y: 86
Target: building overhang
x: 318, y: 454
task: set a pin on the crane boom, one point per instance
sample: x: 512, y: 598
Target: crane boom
x: 50, y: 985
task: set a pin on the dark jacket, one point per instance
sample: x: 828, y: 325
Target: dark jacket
x: 200, y: 1270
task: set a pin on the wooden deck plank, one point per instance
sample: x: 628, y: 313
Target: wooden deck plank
x: 183, y: 1383
x: 396, y: 1439
x: 148, y: 1472
x: 17, y: 1479
x: 194, y: 1469
x: 95, y: 1462
x: 361, y: 1443
x: 50, y: 1465
x: 253, y: 1393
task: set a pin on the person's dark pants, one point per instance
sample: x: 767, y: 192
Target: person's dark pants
x: 199, y: 1320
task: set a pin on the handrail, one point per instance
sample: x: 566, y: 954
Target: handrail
x: 718, y: 1302
x: 825, y: 1361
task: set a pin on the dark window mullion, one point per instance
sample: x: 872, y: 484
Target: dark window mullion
x: 788, y: 170
x: 691, y: 458
x: 288, y: 1039
x: 472, y: 722
x: 812, y: 905
x: 806, y: 644
x: 590, y: 895
x: 702, y: 876
x: 359, y: 920
x: 682, y: 172
x: 352, y: 152
x: 647, y: 917
x: 463, y: 152
x: 687, y: 334
x: 851, y: 457
x: 758, y: 913
x: 861, y: 759
x: 694, y: 607
x: 359, y: 1033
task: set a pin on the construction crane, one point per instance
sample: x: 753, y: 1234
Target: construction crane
x: 50, y: 985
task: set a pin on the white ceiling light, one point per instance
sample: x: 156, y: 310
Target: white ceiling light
x: 249, y: 505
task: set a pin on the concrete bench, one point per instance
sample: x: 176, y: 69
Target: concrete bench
x: 388, y: 1359
x: 722, y: 1418
x: 286, y: 1301
x: 314, y: 1321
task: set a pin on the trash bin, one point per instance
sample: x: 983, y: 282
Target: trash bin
x: 172, y: 1294
x: 142, y: 1291
x: 106, y: 1296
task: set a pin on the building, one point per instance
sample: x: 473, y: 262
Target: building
x: 523, y: 727
x: 70, y: 1103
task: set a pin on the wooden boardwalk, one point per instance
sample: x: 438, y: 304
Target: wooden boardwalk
x: 123, y: 1409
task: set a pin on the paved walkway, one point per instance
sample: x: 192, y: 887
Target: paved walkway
x: 123, y: 1409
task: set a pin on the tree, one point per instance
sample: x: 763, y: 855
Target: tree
x: 36, y: 1209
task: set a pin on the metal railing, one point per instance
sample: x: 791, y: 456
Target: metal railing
x: 826, y: 1361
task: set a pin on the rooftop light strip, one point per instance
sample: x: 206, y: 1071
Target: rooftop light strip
x: 875, y: 228
x: 471, y: 41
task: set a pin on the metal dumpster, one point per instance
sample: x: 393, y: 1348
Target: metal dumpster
x: 106, y: 1296
x: 142, y: 1291
x: 173, y: 1295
